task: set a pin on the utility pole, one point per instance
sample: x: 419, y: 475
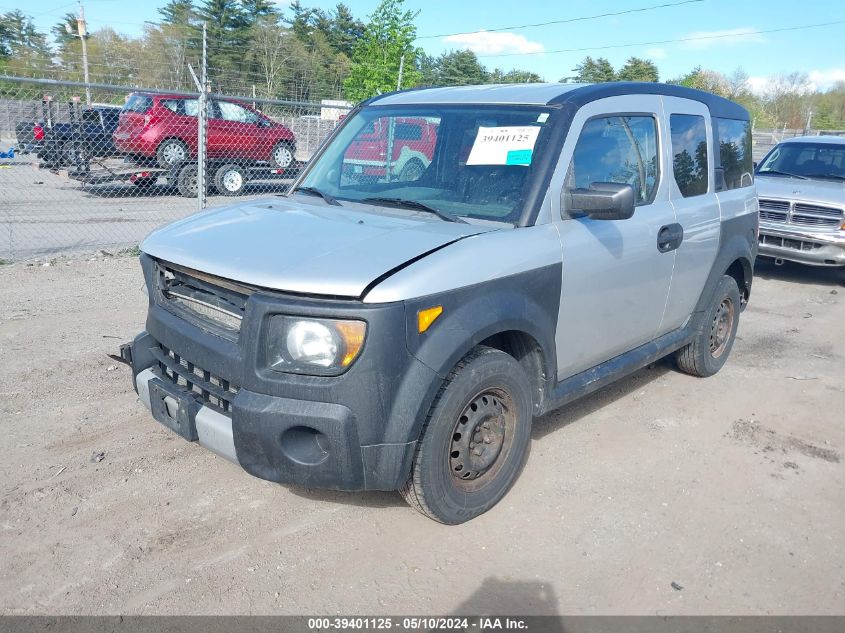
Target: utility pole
x: 401, y: 68
x: 203, y: 122
x: 82, y: 30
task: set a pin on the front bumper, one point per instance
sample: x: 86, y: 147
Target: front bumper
x: 817, y: 248
x: 349, y: 432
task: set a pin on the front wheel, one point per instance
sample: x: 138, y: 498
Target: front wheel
x: 475, y: 439
x: 282, y: 155
x: 715, y: 337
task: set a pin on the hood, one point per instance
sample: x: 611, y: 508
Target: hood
x: 827, y: 192
x: 301, y: 247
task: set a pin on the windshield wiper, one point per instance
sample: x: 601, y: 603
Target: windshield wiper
x: 776, y: 172
x: 317, y: 192
x: 413, y: 204
x: 834, y: 176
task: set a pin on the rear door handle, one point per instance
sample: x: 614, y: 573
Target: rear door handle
x: 669, y: 237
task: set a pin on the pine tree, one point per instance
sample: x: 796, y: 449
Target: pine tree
x: 638, y: 69
x: 594, y: 71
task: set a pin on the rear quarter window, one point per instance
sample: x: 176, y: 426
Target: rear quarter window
x: 734, y: 138
x: 138, y: 103
x: 689, y: 153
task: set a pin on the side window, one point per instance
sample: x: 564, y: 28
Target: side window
x: 175, y: 105
x: 192, y: 107
x: 689, y: 153
x: 734, y: 152
x: 620, y: 149
x: 235, y: 113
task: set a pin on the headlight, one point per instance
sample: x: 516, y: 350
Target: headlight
x: 314, y: 346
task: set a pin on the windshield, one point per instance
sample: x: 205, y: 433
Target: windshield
x: 459, y: 161
x: 807, y: 160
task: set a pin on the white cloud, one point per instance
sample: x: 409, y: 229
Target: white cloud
x: 655, y: 53
x: 487, y: 43
x: 824, y: 79
x: 701, y: 40
x: 819, y: 79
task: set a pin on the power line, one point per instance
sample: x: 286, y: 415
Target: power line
x: 567, y: 20
x: 683, y: 39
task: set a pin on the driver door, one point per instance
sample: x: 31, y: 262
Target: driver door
x: 616, y: 275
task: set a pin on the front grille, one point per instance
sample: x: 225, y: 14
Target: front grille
x: 785, y: 242
x: 800, y: 213
x: 774, y: 210
x: 815, y: 215
x: 208, y: 389
x: 216, y: 305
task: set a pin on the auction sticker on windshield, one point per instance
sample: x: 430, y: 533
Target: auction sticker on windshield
x: 512, y: 145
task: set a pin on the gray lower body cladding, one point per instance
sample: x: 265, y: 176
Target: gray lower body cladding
x: 349, y: 432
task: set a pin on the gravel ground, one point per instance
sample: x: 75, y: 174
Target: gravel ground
x: 732, y: 487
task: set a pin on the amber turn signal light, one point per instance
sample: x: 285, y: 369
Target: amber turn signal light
x: 428, y: 316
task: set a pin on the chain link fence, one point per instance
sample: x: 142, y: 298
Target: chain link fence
x: 78, y: 176
x: 81, y: 177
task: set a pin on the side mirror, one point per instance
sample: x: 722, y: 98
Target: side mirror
x: 754, y: 164
x: 601, y: 201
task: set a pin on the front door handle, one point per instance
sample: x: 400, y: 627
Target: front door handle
x: 669, y: 237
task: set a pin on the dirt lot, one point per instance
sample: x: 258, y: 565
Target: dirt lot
x: 731, y: 487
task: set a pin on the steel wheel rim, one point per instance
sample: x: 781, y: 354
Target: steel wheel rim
x: 173, y: 152
x: 282, y: 156
x: 722, y: 327
x: 481, y: 439
x: 232, y: 180
x: 192, y: 183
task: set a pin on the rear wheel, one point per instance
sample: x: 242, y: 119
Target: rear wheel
x: 715, y: 337
x: 475, y: 439
x: 171, y: 152
x: 412, y: 171
x: 230, y: 179
x: 73, y: 154
x: 187, y: 181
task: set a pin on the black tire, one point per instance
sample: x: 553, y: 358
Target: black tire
x: 474, y: 441
x: 715, y: 336
x: 412, y: 170
x: 187, y: 181
x: 72, y: 154
x: 170, y: 152
x: 282, y: 155
x: 230, y: 179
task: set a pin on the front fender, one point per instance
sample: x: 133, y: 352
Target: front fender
x: 526, y: 302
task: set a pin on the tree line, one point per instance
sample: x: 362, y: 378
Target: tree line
x: 308, y: 54
x: 787, y: 100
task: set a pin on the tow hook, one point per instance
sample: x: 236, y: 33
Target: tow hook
x: 125, y: 354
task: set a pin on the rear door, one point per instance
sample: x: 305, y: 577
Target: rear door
x: 616, y: 276
x: 692, y: 192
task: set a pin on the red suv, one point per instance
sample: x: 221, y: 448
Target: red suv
x: 164, y: 127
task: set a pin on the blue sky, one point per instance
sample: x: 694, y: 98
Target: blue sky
x: 820, y: 52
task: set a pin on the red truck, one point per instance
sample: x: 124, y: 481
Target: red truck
x: 413, y: 142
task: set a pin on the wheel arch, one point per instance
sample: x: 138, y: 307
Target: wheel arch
x: 736, y: 255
